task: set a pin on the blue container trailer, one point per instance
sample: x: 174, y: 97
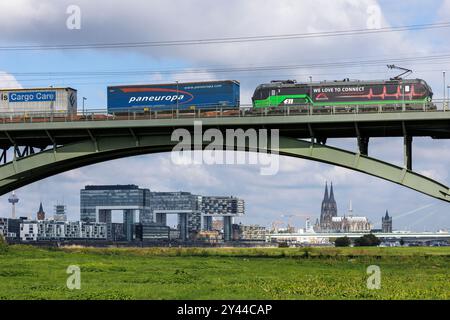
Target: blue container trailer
x: 172, y: 96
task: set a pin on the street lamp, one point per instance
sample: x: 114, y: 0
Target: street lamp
x: 84, y: 99
x: 310, y: 94
x: 443, y: 76
x: 177, y: 94
x: 403, y: 95
x: 448, y: 93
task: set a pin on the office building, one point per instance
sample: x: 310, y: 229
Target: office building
x: 35, y: 230
x: 98, y: 202
x: 194, y: 212
x: 184, y: 204
x: 60, y: 213
x: 225, y: 207
x: 249, y: 232
x: 116, y: 232
x: 152, y: 232
x: 10, y: 228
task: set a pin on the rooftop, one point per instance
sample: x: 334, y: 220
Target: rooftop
x: 112, y: 187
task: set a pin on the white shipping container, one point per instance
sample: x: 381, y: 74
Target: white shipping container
x: 38, y: 101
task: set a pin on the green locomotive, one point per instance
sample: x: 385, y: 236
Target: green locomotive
x: 383, y: 95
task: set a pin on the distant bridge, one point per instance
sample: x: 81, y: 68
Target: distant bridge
x: 36, y: 148
x: 423, y: 236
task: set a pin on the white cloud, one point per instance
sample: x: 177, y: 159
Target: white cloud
x: 444, y: 10
x: 8, y: 81
x: 198, y: 19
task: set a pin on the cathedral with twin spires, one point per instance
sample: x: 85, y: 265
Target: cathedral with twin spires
x: 330, y: 221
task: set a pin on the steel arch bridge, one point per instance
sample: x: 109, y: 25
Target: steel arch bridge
x: 40, y: 150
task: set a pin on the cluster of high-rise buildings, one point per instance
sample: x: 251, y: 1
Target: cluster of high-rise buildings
x: 149, y: 210
x: 128, y: 213
x: 143, y: 216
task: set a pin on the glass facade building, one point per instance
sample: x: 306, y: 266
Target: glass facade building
x: 226, y: 207
x: 97, y: 202
x: 222, y: 206
x: 185, y: 204
x: 145, y: 207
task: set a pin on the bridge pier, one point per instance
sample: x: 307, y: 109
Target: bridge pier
x: 407, y: 147
x: 363, y: 141
x: 363, y: 145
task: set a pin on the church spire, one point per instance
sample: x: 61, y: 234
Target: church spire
x: 325, y: 197
x: 332, y: 193
x: 40, y: 214
x: 387, y: 215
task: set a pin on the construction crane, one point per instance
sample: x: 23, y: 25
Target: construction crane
x: 290, y: 216
x: 276, y: 224
x: 290, y: 225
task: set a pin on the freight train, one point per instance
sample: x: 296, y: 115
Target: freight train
x: 346, y: 95
x: 386, y: 95
x: 211, y: 96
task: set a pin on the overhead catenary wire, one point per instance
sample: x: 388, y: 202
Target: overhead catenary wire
x: 225, y: 40
x: 104, y: 78
x: 444, y: 58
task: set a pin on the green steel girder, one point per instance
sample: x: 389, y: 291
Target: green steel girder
x: 34, y: 167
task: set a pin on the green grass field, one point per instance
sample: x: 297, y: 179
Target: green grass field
x: 225, y: 273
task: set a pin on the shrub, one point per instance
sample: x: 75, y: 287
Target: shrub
x: 342, y: 242
x: 283, y: 244
x: 3, y: 244
x: 367, y: 240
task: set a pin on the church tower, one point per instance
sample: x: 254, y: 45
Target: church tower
x: 328, y: 210
x: 332, y: 203
x: 40, y: 214
x: 386, y: 223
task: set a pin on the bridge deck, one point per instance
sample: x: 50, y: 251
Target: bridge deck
x: 428, y: 124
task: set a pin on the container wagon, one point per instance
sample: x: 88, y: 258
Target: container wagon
x: 41, y: 102
x: 208, y: 95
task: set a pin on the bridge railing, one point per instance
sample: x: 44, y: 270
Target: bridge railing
x: 221, y: 112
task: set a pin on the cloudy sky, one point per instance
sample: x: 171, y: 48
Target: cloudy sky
x: 298, y: 188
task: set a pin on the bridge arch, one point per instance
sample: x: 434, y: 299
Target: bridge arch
x: 34, y: 167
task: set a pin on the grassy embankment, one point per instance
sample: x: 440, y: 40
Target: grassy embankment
x: 225, y: 273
